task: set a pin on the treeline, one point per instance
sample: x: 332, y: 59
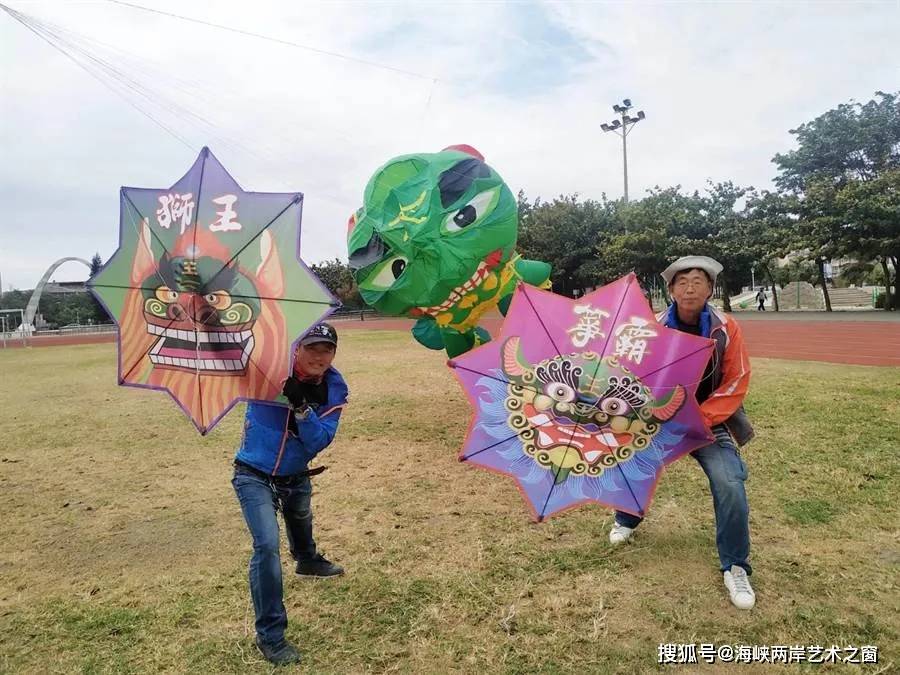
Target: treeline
x: 59, y: 309
x: 837, y: 197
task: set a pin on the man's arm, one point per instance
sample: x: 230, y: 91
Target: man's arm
x: 730, y: 393
x: 317, y: 431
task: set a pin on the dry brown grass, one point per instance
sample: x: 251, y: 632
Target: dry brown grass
x: 122, y: 548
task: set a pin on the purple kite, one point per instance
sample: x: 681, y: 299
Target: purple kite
x: 584, y: 400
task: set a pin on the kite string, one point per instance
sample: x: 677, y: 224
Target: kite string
x: 157, y: 105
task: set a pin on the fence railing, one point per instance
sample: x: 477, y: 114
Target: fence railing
x: 107, y: 328
x: 78, y: 330
x: 353, y: 315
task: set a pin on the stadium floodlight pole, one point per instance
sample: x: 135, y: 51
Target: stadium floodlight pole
x: 623, y: 127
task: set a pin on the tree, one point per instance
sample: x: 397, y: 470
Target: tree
x: 640, y: 236
x: 862, y: 274
x: 843, y: 175
x: 797, y: 269
x: 648, y: 234
x: 100, y: 314
x: 871, y: 217
x: 726, y: 237
x: 14, y: 299
x: 564, y: 233
x: 96, y: 264
x: 338, y: 279
x: 853, y: 142
x: 768, y: 233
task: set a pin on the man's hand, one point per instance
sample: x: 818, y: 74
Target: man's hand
x: 293, y: 391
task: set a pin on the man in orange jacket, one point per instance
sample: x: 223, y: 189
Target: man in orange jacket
x: 720, y: 394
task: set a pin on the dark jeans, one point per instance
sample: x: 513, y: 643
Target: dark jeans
x: 726, y: 472
x: 260, y: 500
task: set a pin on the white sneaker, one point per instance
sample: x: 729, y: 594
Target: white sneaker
x: 619, y: 534
x: 738, y: 584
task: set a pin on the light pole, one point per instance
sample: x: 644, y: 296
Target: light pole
x: 623, y: 127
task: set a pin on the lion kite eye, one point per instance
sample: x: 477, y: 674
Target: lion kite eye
x: 386, y: 273
x: 166, y: 295
x: 219, y: 299
x: 560, y: 392
x: 480, y: 206
x: 614, y: 406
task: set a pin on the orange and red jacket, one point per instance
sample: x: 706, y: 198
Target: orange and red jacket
x: 731, y: 371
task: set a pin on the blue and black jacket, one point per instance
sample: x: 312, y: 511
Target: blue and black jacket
x: 270, y: 443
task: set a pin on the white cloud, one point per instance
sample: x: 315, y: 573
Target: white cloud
x: 528, y: 85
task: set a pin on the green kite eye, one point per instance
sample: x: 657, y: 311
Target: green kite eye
x: 385, y: 274
x: 479, y: 207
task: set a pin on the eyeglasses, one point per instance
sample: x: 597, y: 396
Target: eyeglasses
x: 684, y: 283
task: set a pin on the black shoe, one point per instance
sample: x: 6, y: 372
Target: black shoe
x: 318, y: 567
x: 281, y: 654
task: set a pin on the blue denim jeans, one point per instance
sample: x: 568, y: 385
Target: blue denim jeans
x: 726, y: 472
x: 260, y: 500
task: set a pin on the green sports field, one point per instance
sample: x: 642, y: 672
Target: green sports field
x: 122, y: 547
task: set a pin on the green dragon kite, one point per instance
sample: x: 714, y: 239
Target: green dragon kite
x: 435, y: 240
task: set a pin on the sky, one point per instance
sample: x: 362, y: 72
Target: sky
x: 528, y: 84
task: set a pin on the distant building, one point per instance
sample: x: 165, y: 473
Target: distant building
x: 65, y: 287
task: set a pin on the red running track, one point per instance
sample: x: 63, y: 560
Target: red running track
x: 867, y: 343
x: 870, y: 343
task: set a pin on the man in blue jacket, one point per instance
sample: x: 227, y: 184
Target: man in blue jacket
x: 271, y: 473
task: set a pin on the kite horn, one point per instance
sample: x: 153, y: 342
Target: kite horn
x: 514, y: 363
x: 143, y: 255
x: 468, y: 149
x: 269, y: 272
x: 665, y: 409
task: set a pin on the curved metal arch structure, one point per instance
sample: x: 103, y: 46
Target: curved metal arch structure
x: 32, y: 307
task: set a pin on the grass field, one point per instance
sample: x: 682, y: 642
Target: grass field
x: 122, y: 547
